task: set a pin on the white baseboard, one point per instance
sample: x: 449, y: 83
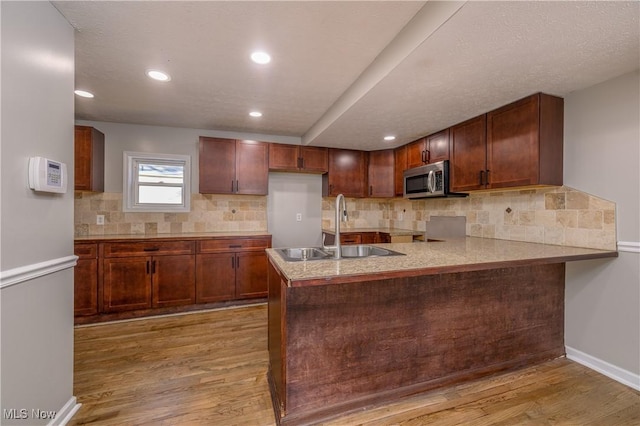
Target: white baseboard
x: 629, y: 246
x: 616, y: 373
x: 65, y: 413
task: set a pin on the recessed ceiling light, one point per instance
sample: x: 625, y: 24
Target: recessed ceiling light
x: 255, y: 114
x: 260, y: 57
x: 389, y: 138
x: 158, y: 75
x: 83, y: 93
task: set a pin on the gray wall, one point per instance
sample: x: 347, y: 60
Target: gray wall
x: 602, y: 157
x: 36, y: 366
x: 121, y: 137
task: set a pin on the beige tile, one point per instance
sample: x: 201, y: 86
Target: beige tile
x: 577, y: 200
x: 534, y: 234
x: 590, y: 219
x: 567, y: 218
x: 546, y: 218
x: 576, y: 237
x: 554, y: 235
x: 526, y: 218
x: 475, y: 230
x: 554, y: 201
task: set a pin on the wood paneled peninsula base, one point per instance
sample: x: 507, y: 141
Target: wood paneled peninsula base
x: 346, y: 340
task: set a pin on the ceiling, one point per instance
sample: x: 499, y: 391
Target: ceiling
x: 343, y: 74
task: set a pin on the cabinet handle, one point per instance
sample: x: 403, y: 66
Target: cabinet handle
x: 151, y: 249
x: 428, y: 156
x: 301, y: 163
x: 237, y: 185
x: 237, y: 262
x: 423, y: 157
x: 153, y: 266
x: 235, y: 245
x: 233, y: 262
x: 330, y: 189
x: 232, y: 185
x: 370, y: 189
x: 147, y: 267
x: 481, y: 177
x: 488, y: 177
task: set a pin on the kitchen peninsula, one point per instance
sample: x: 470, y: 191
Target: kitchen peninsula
x: 353, y: 333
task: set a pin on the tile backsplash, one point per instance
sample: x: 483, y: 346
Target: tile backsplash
x: 209, y: 213
x: 552, y: 215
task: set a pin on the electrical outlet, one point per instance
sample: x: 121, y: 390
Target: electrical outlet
x: 100, y: 219
x: 298, y: 217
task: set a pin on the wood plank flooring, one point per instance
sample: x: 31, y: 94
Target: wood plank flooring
x: 210, y: 369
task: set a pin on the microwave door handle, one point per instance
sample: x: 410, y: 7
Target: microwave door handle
x: 431, y: 182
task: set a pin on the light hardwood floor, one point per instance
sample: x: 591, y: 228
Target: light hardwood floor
x: 210, y: 369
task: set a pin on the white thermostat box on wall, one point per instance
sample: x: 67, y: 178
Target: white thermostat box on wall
x: 47, y: 175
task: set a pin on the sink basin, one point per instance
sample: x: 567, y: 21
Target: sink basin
x: 348, y: 252
x: 305, y: 253
x: 367, y: 251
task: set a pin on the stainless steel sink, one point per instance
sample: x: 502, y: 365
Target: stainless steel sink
x: 304, y: 253
x: 367, y: 251
x: 296, y: 254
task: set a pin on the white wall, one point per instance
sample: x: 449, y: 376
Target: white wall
x: 121, y: 137
x: 37, y: 120
x: 602, y: 157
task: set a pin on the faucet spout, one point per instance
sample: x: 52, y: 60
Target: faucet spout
x: 341, y: 215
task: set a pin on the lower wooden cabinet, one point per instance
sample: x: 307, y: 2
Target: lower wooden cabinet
x: 114, y: 277
x: 231, y: 268
x: 85, y: 279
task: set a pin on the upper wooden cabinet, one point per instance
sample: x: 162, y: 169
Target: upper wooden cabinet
x: 229, y: 166
x: 524, y: 142
x: 295, y: 158
x: 468, y: 154
x: 88, y: 159
x: 518, y: 144
x: 347, y: 173
x: 430, y: 149
x: 400, y: 165
x: 381, y: 173
x: 416, y: 153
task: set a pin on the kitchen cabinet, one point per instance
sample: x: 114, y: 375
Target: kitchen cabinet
x: 430, y: 149
x: 468, y: 154
x: 347, y: 173
x: 143, y: 275
x: 231, y: 268
x: 85, y: 279
x: 524, y: 143
x: 298, y: 159
x: 88, y: 159
x: 381, y: 173
x: 516, y: 145
x: 229, y: 166
x: 400, y: 165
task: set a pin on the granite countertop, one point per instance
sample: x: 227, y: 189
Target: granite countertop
x: 391, y: 231
x: 429, y: 258
x: 190, y: 235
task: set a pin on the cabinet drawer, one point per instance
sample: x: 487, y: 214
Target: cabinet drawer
x: 233, y: 244
x: 148, y: 248
x: 85, y: 250
x: 350, y: 239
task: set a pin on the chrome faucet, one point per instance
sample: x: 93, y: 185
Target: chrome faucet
x: 341, y: 215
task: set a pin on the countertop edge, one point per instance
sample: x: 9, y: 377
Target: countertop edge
x: 168, y: 237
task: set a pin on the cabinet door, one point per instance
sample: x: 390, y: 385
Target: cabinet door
x: 174, y: 281
x: 127, y: 284
x: 252, y: 167
x: 438, y: 146
x: 381, y: 173
x: 369, y: 238
x: 347, y: 173
x: 400, y: 165
x: 314, y: 159
x: 416, y: 153
x: 251, y: 274
x: 88, y: 159
x: 283, y: 157
x: 85, y: 285
x: 217, y: 162
x: 468, y: 155
x: 215, y: 277
x: 512, y: 144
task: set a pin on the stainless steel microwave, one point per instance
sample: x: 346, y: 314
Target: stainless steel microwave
x: 430, y: 180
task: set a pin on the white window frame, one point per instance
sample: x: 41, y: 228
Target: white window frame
x: 130, y: 183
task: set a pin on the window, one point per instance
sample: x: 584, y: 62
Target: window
x: 156, y: 182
